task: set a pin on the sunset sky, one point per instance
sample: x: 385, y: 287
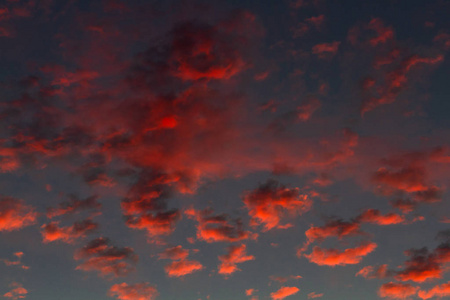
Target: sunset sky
x: 224, y: 149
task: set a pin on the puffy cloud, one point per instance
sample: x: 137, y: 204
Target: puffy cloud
x: 439, y: 291
x: 424, y: 265
x: 17, y: 292
x: 335, y: 257
x: 15, y: 214
x: 218, y: 228
x: 375, y: 216
x: 174, y: 253
x: 236, y: 254
x: 394, y: 290
x: 182, y: 268
x: 74, y: 205
x: 269, y: 203
x: 52, y: 232
x: 107, y: 260
x: 284, y: 292
x: 333, y: 228
x: 138, y: 291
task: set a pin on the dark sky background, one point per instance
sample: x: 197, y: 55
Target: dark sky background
x: 224, y: 149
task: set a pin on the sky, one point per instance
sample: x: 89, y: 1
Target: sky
x: 224, y: 149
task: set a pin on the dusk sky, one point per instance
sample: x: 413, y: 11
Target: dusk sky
x: 224, y: 149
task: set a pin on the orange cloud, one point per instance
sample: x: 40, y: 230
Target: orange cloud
x: 333, y: 228
x: 269, y: 203
x: 15, y: 214
x: 182, y: 268
x: 235, y: 255
x: 51, y: 232
x: 138, y: 291
x: 424, y: 265
x: 370, y: 272
x: 107, y: 260
x: 181, y: 265
x: 375, y: 216
x: 217, y: 228
x: 284, y: 292
x: 18, y: 292
x: 393, y: 290
x: 439, y: 291
x: 174, y: 253
x: 334, y: 257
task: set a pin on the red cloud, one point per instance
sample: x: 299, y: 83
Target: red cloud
x: 107, y: 260
x: 155, y: 224
x: 138, y: 291
x: 15, y: 214
x: 396, y: 81
x: 375, y: 216
x: 267, y: 203
x: 174, y: 253
x: 217, y: 228
x: 182, y: 268
x: 326, y: 49
x: 204, y: 51
x: 74, y: 205
x: 393, y: 290
x: 17, y: 262
x: 304, y: 112
x: 51, y: 232
x: 424, y: 265
x: 235, y: 255
x: 383, y: 34
x: 334, y: 257
x: 313, y: 295
x: 284, y: 292
x: 439, y: 291
x: 370, y: 273
x: 18, y: 292
x: 333, y: 228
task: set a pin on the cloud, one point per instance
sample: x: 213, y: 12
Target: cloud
x: 393, y: 290
x: 138, y: 291
x: 284, y: 292
x: 375, y: 216
x: 15, y: 214
x: 174, y: 253
x: 236, y: 254
x: 335, y: 257
x: 424, y: 265
x: 17, y: 262
x: 370, y: 272
x: 325, y: 50
x: 17, y: 292
x: 74, y: 205
x: 108, y: 261
x: 313, y: 295
x: 51, y: 232
x: 218, y: 228
x: 182, y: 268
x: 439, y: 291
x: 282, y: 279
x: 271, y: 201
x: 333, y: 228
